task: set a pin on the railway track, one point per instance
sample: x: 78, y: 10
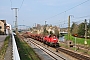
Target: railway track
x: 66, y: 51
x: 74, y: 54
x: 47, y: 51
x: 83, y: 47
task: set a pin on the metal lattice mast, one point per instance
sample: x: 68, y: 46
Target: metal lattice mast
x: 16, y: 26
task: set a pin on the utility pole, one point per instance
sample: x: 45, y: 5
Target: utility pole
x: 85, y: 42
x: 45, y: 28
x: 69, y: 27
x: 45, y: 22
x: 16, y: 26
x: 35, y: 24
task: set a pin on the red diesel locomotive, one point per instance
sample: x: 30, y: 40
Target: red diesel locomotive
x: 50, y: 40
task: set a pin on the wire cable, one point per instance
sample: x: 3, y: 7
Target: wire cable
x: 68, y: 9
x: 21, y: 4
x: 11, y: 3
x: 81, y: 17
x: 72, y: 19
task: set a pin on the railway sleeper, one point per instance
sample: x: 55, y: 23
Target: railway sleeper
x: 75, y: 55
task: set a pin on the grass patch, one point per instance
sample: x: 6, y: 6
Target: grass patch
x: 4, y: 47
x: 78, y: 40
x: 25, y: 51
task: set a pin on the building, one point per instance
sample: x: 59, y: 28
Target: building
x: 63, y: 29
x: 2, y: 26
x: 8, y: 28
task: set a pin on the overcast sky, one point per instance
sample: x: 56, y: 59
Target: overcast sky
x: 39, y: 11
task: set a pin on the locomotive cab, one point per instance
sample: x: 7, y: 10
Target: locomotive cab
x: 51, y: 40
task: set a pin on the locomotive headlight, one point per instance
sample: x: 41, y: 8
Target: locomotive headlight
x: 54, y: 39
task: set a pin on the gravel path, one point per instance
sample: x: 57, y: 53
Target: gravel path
x: 8, y: 54
x: 2, y: 38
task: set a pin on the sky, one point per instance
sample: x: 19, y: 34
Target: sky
x: 54, y: 12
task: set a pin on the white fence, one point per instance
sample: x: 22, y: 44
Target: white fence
x: 15, y: 50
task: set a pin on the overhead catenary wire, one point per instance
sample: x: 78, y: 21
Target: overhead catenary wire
x: 11, y: 3
x: 61, y: 12
x: 80, y: 20
x: 75, y: 18
x: 21, y: 4
x: 60, y: 22
x: 68, y: 9
x: 80, y: 17
x: 58, y: 13
x: 64, y: 24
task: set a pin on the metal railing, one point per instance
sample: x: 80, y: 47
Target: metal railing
x: 15, y: 50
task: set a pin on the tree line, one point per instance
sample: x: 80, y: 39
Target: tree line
x: 79, y: 29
